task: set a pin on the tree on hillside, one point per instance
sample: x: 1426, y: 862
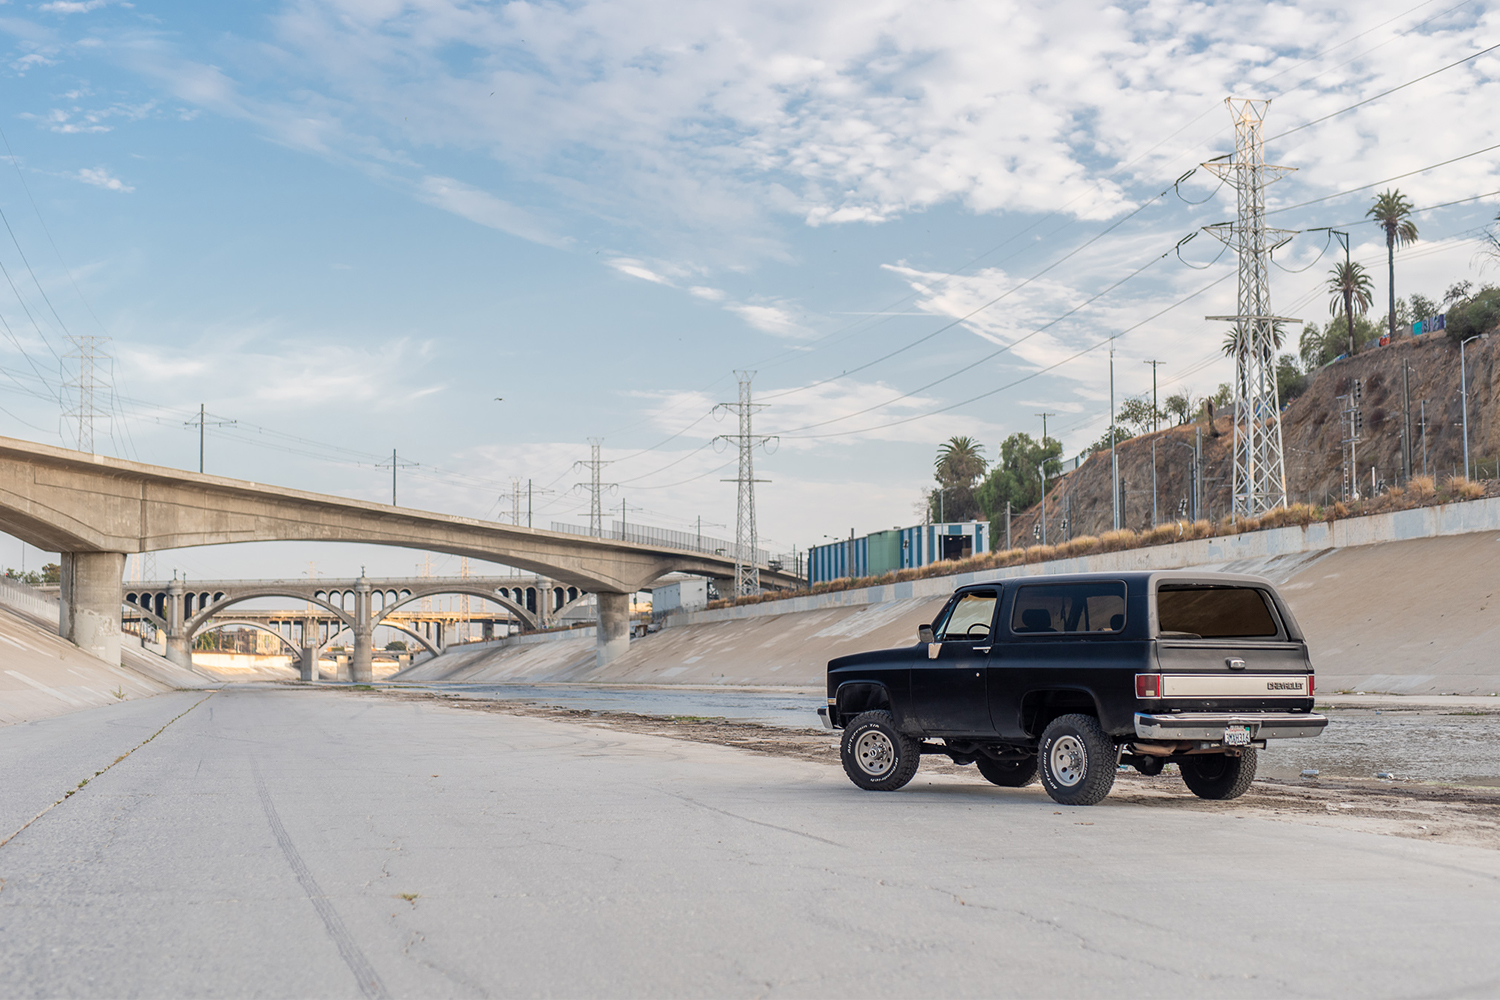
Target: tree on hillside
x: 1474, y: 314
x: 1017, y: 477
x: 959, y: 464
x: 1179, y: 405
x: 1137, y: 414
x: 1291, y: 380
x: 1392, y: 211
x: 1351, y: 289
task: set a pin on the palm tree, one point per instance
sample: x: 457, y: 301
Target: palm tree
x: 1351, y: 287
x: 960, y: 460
x: 1392, y: 210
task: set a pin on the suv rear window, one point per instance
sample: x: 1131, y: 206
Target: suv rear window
x: 1214, y: 612
x: 1069, y: 607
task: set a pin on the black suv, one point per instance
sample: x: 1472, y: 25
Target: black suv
x: 1071, y: 676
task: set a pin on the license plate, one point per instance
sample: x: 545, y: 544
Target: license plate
x: 1237, y: 736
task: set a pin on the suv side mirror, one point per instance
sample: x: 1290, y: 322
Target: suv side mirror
x: 924, y: 634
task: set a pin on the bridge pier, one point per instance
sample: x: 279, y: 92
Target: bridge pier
x: 307, y: 669
x: 89, y: 599
x: 362, y: 663
x: 179, y: 647
x: 612, y: 636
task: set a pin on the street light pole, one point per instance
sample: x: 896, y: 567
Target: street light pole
x: 1463, y: 385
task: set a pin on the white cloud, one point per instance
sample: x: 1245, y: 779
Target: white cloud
x: 769, y: 319
x: 704, y: 292
x: 75, y: 6
x: 637, y: 269
x: 484, y: 208
x: 100, y: 177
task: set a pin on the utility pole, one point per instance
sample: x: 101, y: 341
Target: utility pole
x: 1463, y: 385
x: 1155, y: 426
x: 395, y: 464
x: 1424, y: 437
x: 1353, y: 423
x: 201, y: 423
x: 1114, y: 458
x: 1007, y: 525
x: 595, y: 487
x: 528, y: 503
x: 1406, y: 449
x: 515, y: 499
x: 1044, y: 417
x: 1259, y: 470
x: 746, y: 568
x: 1043, y: 470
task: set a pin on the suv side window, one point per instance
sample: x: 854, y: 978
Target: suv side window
x: 1069, y: 607
x: 971, y: 617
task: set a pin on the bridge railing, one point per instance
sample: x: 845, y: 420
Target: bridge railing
x: 666, y: 538
x: 24, y: 597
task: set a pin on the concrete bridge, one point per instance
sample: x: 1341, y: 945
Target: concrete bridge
x: 183, y: 609
x: 96, y: 510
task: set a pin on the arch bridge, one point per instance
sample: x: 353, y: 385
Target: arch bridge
x: 95, y: 510
x: 183, y: 609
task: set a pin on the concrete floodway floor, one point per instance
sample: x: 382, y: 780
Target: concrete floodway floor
x: 281, y: 842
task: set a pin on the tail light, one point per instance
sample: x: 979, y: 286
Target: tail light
x: 1148, y: 685
x: 1311, y: 683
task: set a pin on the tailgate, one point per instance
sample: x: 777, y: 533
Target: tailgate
x: 1260, y: 671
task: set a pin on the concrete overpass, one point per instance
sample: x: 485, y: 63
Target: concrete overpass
x: 182, y: 609
x: 96, y: 510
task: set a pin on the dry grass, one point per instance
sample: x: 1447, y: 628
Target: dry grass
x: 1422, y: 487
x: 1464, y: 488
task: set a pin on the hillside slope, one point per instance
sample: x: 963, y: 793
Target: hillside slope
x: 1312, y: 440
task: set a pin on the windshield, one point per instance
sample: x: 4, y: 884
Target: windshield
x: 1207, y: 612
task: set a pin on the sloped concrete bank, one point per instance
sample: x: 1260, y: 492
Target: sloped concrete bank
x: 1401, y: 602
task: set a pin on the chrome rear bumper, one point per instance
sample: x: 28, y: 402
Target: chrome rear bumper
x: 1211, y: 725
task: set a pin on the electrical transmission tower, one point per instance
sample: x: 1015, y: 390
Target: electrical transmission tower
x: 595, y: 487
x: 746, y: 568
x: 1259, y: 480
x: 88, y: 384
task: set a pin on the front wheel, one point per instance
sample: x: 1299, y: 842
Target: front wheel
x: 877, y: 756
x: 1219, y: 776
x: 1077, y: 760
x: 1008, y: 773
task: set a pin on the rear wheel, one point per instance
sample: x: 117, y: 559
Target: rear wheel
x: 1077, y: 760
x: 1008, y: 773
x: 877, y: 756
x: 1219, y: 776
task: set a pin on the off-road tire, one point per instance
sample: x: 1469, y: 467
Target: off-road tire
x: 1008, y: 773
x: 877, y: 756
x: 1219, y: 776
x: 1077, y: 760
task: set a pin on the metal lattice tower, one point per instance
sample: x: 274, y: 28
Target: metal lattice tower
x: 1259, y: 467
x: 595, y: 487
x: 86, y: 387
x: 746, y: 568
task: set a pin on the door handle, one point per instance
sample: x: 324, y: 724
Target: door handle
x: 981, y: 649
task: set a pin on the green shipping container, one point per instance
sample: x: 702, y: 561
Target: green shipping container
x: 884, y: 552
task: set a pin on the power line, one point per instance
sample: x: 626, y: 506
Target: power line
x: 1397, y: 177
x: 996, y: 353
x: 1384, y: 93
x: 1025, y: 378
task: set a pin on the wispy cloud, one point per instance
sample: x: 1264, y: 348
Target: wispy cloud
x: 480, y: 206
x: 100, y: 177
x: 79, y: 6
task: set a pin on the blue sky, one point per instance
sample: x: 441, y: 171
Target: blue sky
x: 349, y: 226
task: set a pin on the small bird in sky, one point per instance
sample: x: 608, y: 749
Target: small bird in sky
x: 499, y: 399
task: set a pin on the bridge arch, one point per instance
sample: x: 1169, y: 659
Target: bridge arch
x: 528, y: 619
x: 141, y: 611
x: 292, y: 647
x: 191, y: 626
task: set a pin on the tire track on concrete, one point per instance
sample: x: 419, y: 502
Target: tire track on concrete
x: 79, y: 787
x: 364, y: 973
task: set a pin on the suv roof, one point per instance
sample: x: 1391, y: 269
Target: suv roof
x: 1137, y: 576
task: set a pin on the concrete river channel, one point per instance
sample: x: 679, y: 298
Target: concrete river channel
x: 1411, y: 744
